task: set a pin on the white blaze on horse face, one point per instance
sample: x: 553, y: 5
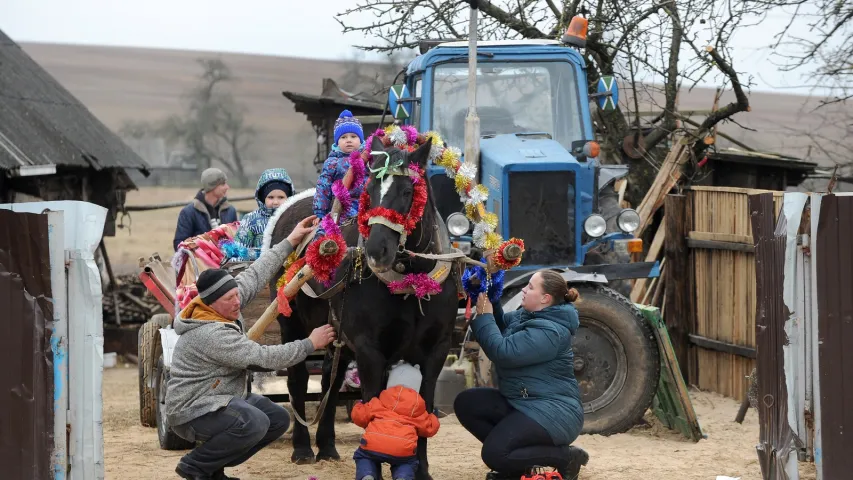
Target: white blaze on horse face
x: 385, y: 186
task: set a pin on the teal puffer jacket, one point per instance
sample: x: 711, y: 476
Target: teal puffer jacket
x: 532, y: 353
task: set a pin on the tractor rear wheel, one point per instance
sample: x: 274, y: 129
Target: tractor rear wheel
x: 148, y: 339
x: 616, y: 361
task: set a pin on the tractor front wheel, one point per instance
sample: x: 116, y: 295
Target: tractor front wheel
x: 616, y: 361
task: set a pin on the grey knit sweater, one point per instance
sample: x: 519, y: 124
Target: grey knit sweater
x: 211, y: 358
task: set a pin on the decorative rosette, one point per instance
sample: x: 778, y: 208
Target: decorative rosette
x: 421, y: 283
x: 499, y: 258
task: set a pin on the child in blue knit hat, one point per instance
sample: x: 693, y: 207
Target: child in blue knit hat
x: 349, y: 137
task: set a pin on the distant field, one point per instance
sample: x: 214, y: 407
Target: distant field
x: 148, y: 232
x: 118, y: 84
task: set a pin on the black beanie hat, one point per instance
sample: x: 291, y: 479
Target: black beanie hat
x: 213, y: 284
x: 275, y: 185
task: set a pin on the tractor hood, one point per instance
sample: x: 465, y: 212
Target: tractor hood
x: 516, y: 150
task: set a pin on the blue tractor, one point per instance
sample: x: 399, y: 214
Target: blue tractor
x: 537, y: 156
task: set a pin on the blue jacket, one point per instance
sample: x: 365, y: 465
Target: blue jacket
x: 198, y: 217
x: 334, y: 168
x: 253, y: 224
x: 532, y: 353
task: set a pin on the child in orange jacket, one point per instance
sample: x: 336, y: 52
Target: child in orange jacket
x: 393, y: 421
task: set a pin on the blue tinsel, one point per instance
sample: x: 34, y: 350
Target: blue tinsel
x: 495, y: 290
x: 232, y: 249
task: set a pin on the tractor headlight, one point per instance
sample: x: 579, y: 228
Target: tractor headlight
x: 458, y: 224
x: 628, y: 220
x: 595, y: 226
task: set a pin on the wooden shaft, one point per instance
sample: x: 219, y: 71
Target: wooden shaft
x: 266, y: 319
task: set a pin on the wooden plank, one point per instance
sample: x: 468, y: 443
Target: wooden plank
x: 672, y: 402
x: 720, y: 237
x: 720, y: 346
x: 668, y: 176
x: 654, y: 250
x: 680, y: 319
x: 743, y: 191
x: 714, y: 245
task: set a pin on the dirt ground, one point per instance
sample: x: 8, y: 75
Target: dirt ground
x: 651, y: 452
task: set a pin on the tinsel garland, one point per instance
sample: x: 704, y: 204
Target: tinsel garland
x: 421, y: 283
x: 409, y: 221
x: 502, y: 262
x: 493, y: 285
x: 232, y: 249
x: 283, y: 301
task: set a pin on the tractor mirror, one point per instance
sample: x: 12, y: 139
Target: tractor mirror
x: 607, y: 93
x: 400, y: 102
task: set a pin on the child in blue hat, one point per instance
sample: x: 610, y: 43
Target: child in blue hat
x: 349, y: 137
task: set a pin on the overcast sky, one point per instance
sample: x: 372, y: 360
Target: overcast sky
x: 271, y: 27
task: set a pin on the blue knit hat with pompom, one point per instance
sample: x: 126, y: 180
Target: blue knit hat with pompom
x: 346, y: 123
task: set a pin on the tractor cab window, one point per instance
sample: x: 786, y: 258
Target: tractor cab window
x: 416, y: 106
x: 512, y: 97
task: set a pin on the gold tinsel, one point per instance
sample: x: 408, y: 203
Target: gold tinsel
x: 462, y: 183
x: 470, y: 209
x: 491, y: 220
x: 493, y: 240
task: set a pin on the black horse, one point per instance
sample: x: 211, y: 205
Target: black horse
x: 378, y: 327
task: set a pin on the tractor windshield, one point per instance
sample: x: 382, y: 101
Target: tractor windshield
x: 512, y: 97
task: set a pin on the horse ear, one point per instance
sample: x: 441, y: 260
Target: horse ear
x: 421, y: 155
x: 376, y: 145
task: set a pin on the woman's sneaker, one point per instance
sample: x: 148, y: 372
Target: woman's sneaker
x: 577, y: 457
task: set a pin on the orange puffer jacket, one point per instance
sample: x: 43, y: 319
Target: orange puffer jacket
x: 393, y: 421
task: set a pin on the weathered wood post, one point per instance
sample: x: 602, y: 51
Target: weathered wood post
x: 680, y: 283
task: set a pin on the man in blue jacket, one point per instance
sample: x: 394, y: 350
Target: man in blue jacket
x: 208, y: 210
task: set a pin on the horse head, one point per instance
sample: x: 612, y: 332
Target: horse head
x: 393, y: 201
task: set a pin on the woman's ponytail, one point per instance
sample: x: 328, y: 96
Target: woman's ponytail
x: 553, y: 284
x: 571, y: 295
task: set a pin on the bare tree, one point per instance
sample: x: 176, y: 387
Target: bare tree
x: 212, y: 127
x: 818, y: 38
x: 654, y: 47
x: 371, y: 80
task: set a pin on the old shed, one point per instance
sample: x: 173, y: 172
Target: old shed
x: 322, y: 111
x: 51, y: 146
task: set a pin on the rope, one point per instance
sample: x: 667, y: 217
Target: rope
x: 456, y: 255
x: 336, y: 358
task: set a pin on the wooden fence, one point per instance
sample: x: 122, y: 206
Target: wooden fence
x: 712, y: 314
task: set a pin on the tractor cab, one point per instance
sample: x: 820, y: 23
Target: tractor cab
x: 538, y: 154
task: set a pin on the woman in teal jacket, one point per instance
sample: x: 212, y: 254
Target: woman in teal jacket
x: 536, y: 413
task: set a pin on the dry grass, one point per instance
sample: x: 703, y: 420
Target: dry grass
x: 148, y: 232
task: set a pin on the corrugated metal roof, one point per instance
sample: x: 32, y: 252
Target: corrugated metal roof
x: 41, y: 123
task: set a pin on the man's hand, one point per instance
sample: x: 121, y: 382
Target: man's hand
x: 301, y: 229
x: 483, y: 304
x: 322, y: 336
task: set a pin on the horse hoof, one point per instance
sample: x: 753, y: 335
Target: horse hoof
x: 328, y: 454
x: 302, y: 458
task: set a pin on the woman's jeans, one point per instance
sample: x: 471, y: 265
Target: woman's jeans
x: 512, y: 442
x: 231, y: 435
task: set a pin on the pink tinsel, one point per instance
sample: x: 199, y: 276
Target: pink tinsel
x: 329, y: 226
x: 421, y: 283
x: 411, y: 133
x: 417, y: 169
x: 343, y: 196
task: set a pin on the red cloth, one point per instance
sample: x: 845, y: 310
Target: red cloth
x: 393, y: 421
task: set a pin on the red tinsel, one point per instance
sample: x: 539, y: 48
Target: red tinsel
x: 502, y: 262
x: 324, y: 266
x: 284, y: 302
x: 408, y: 221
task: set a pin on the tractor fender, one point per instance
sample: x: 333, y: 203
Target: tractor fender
x: 168, y: 339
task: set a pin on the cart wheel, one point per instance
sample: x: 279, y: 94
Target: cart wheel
x: 147, y: 343
x: 169, y: 440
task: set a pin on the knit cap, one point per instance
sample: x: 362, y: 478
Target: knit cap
x: 212, y: 178
x: 213, y: 284
x: 406, y: 375
x: 276, y: 185
x: 346, y: 123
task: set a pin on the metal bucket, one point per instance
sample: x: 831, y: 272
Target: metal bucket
x: 451, y: 381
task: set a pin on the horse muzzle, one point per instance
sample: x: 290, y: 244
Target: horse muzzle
x: 376, y: 266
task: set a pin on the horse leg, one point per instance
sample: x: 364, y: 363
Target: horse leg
x: 371, y: 370
x: 326, y: 427
x: 297, y: 388
x: 430, y: 371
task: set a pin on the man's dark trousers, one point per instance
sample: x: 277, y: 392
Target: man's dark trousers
x: 231, y: 435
